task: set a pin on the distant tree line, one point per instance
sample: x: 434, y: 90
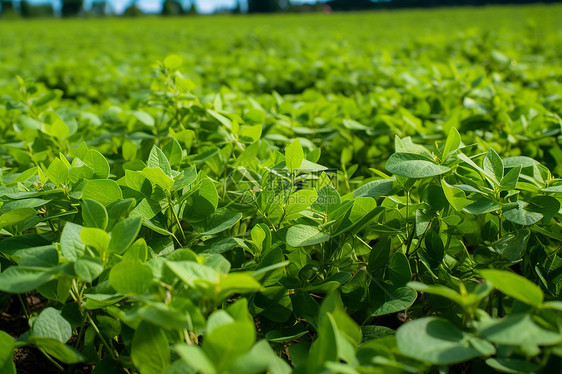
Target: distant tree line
x: 74, y: 8
x: 348, y: 5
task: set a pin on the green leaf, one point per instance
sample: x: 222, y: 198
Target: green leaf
x: 517, y: 329
x: 437, y: 289
x: 509, y: 181
x: 104, y: 191
x: 57, y: 172
x: 56, y: 349
x: 51, y: 324
x: 515, y: 286
x: 300, y: 200
x: 512, y: 246
x: 130, y: 277
x: 376, y: 188
x: 325, y: 347
x: 7, y: 347
x: 173, y: 62
x: 96, y: 238
x: 18, y: 279
x: 513, y: 365
x: 221, y: 220
x: 387, y: 299
x: 294, y: 155
x: 123, y: 234
x: 411, y: 165
x: 88, y: 268
x: 159, y: 178
x: 196, y: 358
x: 493, y: 164
x: 150, y: 350
x: 16, y: 216
x: 157, y: 159
x: 98, y: 163
x: 94, y: 214
x: 228, y: 341
x: 72, y: 246
x: 303, y: 235
x: 399, y: 270
x: 522, y: 215
x: 439, y: 342
x: 455, y: 196
x: 452, y: 143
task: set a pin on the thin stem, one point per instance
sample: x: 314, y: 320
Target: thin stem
x: 174, y: 214
x: 113, y: 354
x: 23, y: 306
x: 52, y: 360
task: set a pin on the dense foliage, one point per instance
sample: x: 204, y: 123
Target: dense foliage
x: 224, y: 195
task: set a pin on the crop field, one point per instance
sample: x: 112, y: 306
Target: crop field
x: 324, y: 193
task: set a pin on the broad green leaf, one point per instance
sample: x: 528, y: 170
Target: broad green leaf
x: 518, y: 329
x: 387, y: 299
x: 455, y: 196
x: 150, y: 350
x: 130, y: 277
x: 16, y: 216
x: 196, y: 358
x: 72, y: 246
x: 325, y: 347
x: 509, y: 181
x: 227, y: 342
x: 94, y: 214
x: 513, y: 365
x: 88, y: 268
x: 96, y: 238
x: 221, y: 220
x: 157, y: 159
x: 123, y: 234
x: 399, y: 270
x: 493, y: 164
x: 437, y: 289
x: 439, y: 342
x: 51, y: 324
x: 300, y: 200
x: 411, y: 165
x: 57, y: 172
x: 98, y: 163
x: 515, y: 286
x: 18, y: 279
x: 452, y: 143
x: 104, y: 191
x: 376, y: 188
x: 302, y: 236
x: 294, y: 155
x: 172, y: 62
x: 158, y: 177
x: 56, y: 349
x: 521, y: 215
x: 7, y: 347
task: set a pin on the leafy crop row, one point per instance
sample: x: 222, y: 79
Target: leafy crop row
x: 386, y: 220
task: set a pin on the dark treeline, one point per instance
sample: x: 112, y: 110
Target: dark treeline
x: 98, y: 8
x: 349, y: 5
x: 73, y: 8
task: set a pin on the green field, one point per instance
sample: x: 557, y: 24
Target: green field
x: 324, y: 193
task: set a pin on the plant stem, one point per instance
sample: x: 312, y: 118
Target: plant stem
x: 176, y: 218
x: 113, y: 354
x: 23, y: 306
x: 52, y: 360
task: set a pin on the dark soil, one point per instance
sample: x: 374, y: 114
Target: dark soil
x: 13, y: 321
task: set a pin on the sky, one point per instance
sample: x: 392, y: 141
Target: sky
x: 204, y: 6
